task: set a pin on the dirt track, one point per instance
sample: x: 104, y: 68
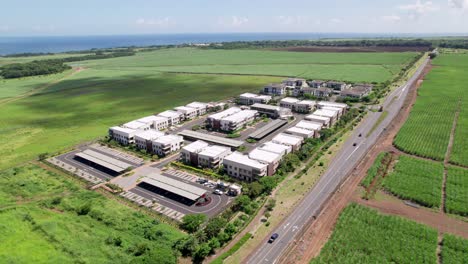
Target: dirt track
x: 352, y: 49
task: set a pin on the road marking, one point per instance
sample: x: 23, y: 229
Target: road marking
x: 353, y: 152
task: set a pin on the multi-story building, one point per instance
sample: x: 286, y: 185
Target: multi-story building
x: 296, y: 105
x: 289, y: 103
x: 325, y: 121
x: 316, y: 127
x: 201, y: 107
x: 275, y: 89
x: 188, y: 112
x: 214, y: 121
x: 122, y: 135
x: 237, y: 120
x: 317, y: 83
x: 276, y: 148
x: 357, y: 91
x: 270, y: 158
x: 213, y: 156
x: 155, y: 122
x: 144, y: 139
x: 250, y: 99
x: 336, y: 86
x: 272, y: 110
x: 333, y: 115
x: 167, y: 144
x: 294, y: 142
x: 295, y: 82
x: 137, y: 125
x: 341, y: 106
x: 322, y: 92
x: 173, y: 117
x: 189, y: 153
x: 243, y: 168
x: 301, y: 132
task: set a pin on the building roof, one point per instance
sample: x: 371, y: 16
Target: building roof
x: 149, y: 134
x: 185, y: 108
x: 332, y: 104
x: 151, y: 119
x: 267, y: 129
x: 287, y: 139
x: 170, y: 114
x: 332, y: 108
x: 289, y: 100
x: 317, y: 81
x: 293, y: 79
x: 266, y: 106
x: 135, y: 125
x: 335, y: 82
x: 309, y: 125
x: 196, y: 146
x: 324, y: 112
x: 213, y: 151
x: 225, y: 113
x: 248, y: 95
x: 301, y: 131
x: 180, y: 188
x: 197, y: 105
x: 240, y: 116
x: 275, y: 148
x: 168, y: 139
x: 123, y: 129
x: 276, y: 85
x: 306, y: 102
x: 264, y: 97
x: 210, y: 138
x: 264, y: 156
x: 317, y: 117
x: 240, y: 158
x: 103, y: 160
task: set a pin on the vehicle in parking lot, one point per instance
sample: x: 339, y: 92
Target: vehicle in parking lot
x: 202, y: 181
x: 273, y: 238
x: 218, y: 192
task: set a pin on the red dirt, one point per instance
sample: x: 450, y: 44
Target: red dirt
x: 352, y: 49
x: 317, y: 234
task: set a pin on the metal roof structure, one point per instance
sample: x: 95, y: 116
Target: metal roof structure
x: 267, y: 129
x: 103, y: 160
x: 210, y: 138
x: 180, y: 188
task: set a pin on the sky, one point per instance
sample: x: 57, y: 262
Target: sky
x: 118, y: 17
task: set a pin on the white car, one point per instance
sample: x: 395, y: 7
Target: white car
x: 218, y: 192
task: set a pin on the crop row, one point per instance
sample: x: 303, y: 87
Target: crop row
x: 416, y: 180
x: 456, y: 200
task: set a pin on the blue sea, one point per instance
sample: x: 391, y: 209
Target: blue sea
x: 13, y: 45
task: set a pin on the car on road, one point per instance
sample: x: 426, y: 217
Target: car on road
x: 273, y: 238
x: 218, y: 192
x: 360, y: 135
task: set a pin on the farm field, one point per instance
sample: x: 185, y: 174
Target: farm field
x: 46, y: 218
x: 82, y: 107
x: 456, y: 200
x: 416, y: 180
x: 374, y: 170
x: 454, y: 250
x: 363, y: 235
x: 427, y: 131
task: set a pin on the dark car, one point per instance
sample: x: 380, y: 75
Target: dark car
x: 354, y: 144
x: 273, y: 238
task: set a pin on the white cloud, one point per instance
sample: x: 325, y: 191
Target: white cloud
x: 461, y: 4
x: 292, y: 20
x: 4, y: 28
x: 157, y: 22
x: 391, y: 18
x: 233, y: 21
x: 336, y: 20
x: 420, y: 7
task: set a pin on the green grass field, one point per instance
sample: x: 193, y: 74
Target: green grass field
x: 46, y: 218
x: 454, y: 250
x: 427, y: 131
x: 373, y: 171
x: 10, y: 60
x: 456, y: 200
x: 416, y: 180
x: 362, y: 235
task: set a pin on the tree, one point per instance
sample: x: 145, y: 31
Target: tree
x: 255, y: 189
x: 201, y: 252
x: 214, y: 244
x: 192, y: 222
x: 214, y: 226
x: 268, y: 183
x: 186, y: 245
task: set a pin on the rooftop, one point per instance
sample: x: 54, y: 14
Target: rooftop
x: 333, y: 104
x: 149, y: 134
x: 267, y: 129
x: 245, y: 160
x: 213, y: 151
x: 168, y: 139
x: 312, y: 116
x: 274, y: 147
x: 210, y: 138
x: 103, y: 160
x: 264, y: 97
x: 309, y: 125
x: 150, y: 119
x: 300, y: 130
x: 170, y: 114
x: 266, y: 106
x: 181, y: 188
x: 196, y: 146
x: 185, y: 108
x: 249, y: 95
x: 324, y: 112
x: 225, y: 113
x: 265, y: 156
x: 287, y: 139
x: 197, y: 105
x: 276, y: 85
x: 306, y: 102
x: 123, y: 129
x: 240, y: 116
x: 289, y: 100
x: 135, y: 124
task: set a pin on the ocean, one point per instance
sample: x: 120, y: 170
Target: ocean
x: 13, y: 45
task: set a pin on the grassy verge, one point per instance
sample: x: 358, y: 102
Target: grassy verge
x: 232, y: 250
x: 377, y: 123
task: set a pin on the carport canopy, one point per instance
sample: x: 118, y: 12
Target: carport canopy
x: 103, y: 160
x: 177, y: 187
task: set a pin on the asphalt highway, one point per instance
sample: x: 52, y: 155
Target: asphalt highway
x: 344, y: 162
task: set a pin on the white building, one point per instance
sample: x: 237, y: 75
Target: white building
x: 333, y: 115
x: 289, y: 102
x: 237, y: 120
x: 270, y: 158
x: 342, y: 106
x: 242, y: 167
x: 250, y: 99
x: 272, y: 111
x: 144, y: 139
x: 275, y: 89
x: 188, y: 112
x: 295, y: 83
x: 325, y: 121
x: 201, y: 107
x: 338, y: 111
x: 276, y: 148
x: 309, y: 125
x: 189, y: 153
x: 294, y: 142
x: 214, y: 120
x: 122, y: 135
x: 296, y: 105
x: 213, y: 156
x: 136, y: 125
x: 301, y: 132
x: 173, y: 117
x: 167, y: 144
x: 156, y: 122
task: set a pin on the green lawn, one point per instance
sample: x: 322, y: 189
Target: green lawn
x: 45, y: 218
x: 362, y: 235
x: 416, y: 180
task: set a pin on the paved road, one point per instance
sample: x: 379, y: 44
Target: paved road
x: 343, y: 163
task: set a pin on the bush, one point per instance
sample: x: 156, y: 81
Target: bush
x: 192, y: 222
